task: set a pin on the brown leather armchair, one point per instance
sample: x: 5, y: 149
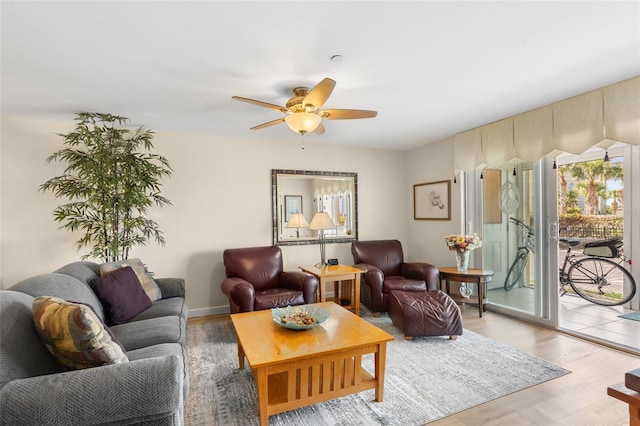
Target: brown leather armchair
x: 255, y: 280
x: 386, y: 271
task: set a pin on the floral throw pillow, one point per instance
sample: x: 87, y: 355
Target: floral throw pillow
x: 74, y: 334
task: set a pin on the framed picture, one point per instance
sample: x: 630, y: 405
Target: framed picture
x: 432, y: 201
x: 292, y: 205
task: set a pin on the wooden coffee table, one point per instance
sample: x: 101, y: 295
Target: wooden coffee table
x: 296, y: 368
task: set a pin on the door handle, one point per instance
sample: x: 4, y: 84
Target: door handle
x: 553, y: 230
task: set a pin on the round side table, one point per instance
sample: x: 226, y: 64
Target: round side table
x: 478, y: 276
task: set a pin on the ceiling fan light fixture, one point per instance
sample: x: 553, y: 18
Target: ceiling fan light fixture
x: 303, y: 114
x: 303, y: 122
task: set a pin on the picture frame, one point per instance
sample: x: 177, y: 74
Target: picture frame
x: 432, y: 200
x: 292, y: 205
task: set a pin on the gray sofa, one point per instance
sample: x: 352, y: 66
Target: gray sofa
x: 150, y: 389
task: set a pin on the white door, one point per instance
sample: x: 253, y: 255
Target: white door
x: 535, y: 295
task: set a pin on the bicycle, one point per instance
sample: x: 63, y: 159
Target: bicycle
x: 522, y: 257
x: 595, y: 277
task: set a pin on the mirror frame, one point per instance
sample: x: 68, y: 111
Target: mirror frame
x: 275, y: 173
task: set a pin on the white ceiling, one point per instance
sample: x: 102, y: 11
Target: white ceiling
x: 431, y: 69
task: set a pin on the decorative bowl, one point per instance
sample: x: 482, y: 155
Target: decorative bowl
x: 302, y: 317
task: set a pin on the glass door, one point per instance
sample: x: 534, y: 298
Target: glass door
x: 598, y: 201
x: 519, y: 228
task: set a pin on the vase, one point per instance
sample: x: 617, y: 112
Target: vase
x: 462, y: 260
x: 465, y: 290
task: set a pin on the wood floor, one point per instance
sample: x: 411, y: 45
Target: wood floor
x: 579, y: 398
x: 576, y: 399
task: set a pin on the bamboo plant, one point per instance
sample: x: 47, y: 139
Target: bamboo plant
x: 111, y: 180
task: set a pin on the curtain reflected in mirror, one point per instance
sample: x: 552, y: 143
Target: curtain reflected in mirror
x: 299, y: 194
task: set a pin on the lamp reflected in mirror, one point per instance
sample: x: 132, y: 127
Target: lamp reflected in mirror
x: 297, y: 221
x: 321, y: 222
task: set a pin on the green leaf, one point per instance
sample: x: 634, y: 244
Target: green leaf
x: 109, y: 184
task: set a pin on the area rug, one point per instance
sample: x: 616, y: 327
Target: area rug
x: 635, y: 315
x: 426, y: 379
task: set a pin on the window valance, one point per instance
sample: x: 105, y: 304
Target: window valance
x: 331, y: 186
x: 600, y: 117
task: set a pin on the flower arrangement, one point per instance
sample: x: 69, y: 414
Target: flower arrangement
x: 463, y: 243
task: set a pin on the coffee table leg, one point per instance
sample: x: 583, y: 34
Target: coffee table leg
x: 380, y: 360
x: 262, y: 385
x: 240, y: 356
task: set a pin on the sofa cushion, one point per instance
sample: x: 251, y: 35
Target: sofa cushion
x: 60, y: 285
x: 22, y: 353
x: 175, y: 306
x: 163, y: 349
x: 83, y: 270
x: 403, y: 284
x: 277, y: 297
x: 121, y: 294
x: 138, y: 334
x: 147, y: 282
x: 74, y: 334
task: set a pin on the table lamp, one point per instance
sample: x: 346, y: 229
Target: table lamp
x: 320, y: 222
x: 297, y: 220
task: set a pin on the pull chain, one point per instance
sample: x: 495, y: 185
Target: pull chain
x: 513, y: 139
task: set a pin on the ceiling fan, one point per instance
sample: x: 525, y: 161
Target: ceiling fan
x: 303, y: 109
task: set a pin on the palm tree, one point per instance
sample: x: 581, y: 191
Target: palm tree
x: 613, y: 171
x: 572, y: 202
x: 616, y: 194
x: 592, y: 177
x: 562, y: 188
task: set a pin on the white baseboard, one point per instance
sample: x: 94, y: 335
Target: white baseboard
x: 203, y: 312
x: 216, y: 310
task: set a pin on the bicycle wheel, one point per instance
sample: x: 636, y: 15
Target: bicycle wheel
x: 601, y: 281
x: 516, y: 269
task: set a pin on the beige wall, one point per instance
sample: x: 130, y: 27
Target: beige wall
x: 425, y: 238
x: 221, y: 196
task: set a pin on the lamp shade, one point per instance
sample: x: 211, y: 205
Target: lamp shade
x: 297, y: 220
x: 321, y: 221
x: 302, y: 122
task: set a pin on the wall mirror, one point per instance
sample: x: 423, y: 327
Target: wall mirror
x: 299, y: 194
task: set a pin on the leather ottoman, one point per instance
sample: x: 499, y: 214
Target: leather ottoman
x: 425, y: 313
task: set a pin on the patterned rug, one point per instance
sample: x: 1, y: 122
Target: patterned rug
x: 426, y: 379
x: 635, y: 315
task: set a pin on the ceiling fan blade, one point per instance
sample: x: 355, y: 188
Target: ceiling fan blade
x: 319, y: 94
x: 268, y: 124
x: 319, y: 130
x: 347, y: 114
x: 260, y: 103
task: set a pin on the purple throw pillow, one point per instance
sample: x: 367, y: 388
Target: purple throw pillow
x: 121, y: 294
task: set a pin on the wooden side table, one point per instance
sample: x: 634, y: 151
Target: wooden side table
x: 478, y: 276
x: 346, y: 285
x: 631, y: 397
